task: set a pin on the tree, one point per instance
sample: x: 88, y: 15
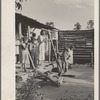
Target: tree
x: 50, y: 24
x: 77, y: 26
x: 90, y: 25
x: 53, y: 34
x: 18, y: 5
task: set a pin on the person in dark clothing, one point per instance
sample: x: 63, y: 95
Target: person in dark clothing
x: 33, y: 48
x: 59, y: 65
x: 70, y: 49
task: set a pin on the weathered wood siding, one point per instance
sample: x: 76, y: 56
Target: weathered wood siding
x: 83, y: 40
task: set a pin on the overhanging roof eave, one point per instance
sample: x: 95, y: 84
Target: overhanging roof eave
x: 31, y: 22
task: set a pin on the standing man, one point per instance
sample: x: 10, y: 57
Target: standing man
x: 59, y: 65
x: 33, y: 48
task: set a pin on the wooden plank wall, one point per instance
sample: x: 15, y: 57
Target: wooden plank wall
x: 83, y: 40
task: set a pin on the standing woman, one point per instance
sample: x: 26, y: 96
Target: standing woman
x: 41, y: 39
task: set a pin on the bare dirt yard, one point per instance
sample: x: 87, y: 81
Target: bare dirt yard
x: 77, y: 84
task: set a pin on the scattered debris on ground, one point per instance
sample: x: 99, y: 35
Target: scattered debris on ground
x: 77, y: 84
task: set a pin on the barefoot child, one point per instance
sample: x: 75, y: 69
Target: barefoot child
x: 24, y: 48
x: 65, y: 59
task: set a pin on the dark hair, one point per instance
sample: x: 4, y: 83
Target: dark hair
x: 42, y: 32
x: 71, y: 47
x: 65, y: 49
x: 33, y: 34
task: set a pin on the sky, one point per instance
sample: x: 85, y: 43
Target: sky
x: 64, y: 13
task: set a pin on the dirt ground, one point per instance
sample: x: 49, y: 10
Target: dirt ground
x: 77, y: 84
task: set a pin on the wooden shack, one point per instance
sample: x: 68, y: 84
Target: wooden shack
x: 23, y: 24
x: 83, y: 40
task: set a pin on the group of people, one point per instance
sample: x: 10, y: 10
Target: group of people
x: 29, y: 47
x: 67, y: 59
x: 32, y: 50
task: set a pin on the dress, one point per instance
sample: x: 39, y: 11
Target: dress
x: 70, y: 60
x: 25, y: 58
x: 41, y: 48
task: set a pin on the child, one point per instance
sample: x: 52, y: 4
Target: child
x: 71, y: 55
x: 24, y: 48
x: 65, y: 59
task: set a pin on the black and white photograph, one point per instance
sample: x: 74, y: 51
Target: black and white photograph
x: 54, y: 44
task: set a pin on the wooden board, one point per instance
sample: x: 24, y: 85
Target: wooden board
x: 50, y: 78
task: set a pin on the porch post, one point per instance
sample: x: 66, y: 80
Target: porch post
x: 49, y: 47
x: 28, y: 32
x: 20, y: 35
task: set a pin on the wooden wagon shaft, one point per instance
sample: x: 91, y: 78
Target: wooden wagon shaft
x: 54, y: 49
x: 48, y: 78
x: 31, y: 59
x: 40, y: 73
